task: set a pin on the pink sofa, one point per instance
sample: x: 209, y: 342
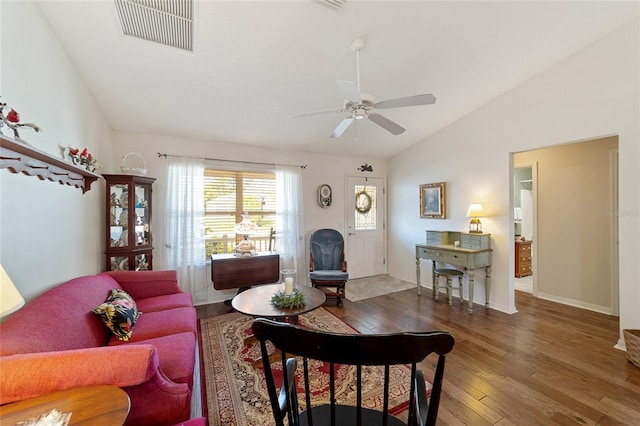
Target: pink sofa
x: 56, y: 342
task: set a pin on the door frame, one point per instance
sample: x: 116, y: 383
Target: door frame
x: 615, y: 266
x: 534, y: 247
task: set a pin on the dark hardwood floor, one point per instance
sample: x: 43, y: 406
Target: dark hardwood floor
x: 547, y: 364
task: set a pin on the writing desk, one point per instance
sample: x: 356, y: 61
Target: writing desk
x: 473, y: 253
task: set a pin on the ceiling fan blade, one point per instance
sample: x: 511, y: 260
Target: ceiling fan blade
x: 344, y: 125
x: 326, y: 111
x: 426, y: 99
x: 350, y: 91
x: 386, y: 124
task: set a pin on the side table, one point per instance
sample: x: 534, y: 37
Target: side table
x: 99, y: 405
x: 229, y: 271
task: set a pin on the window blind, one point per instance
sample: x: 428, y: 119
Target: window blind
x: 230, y: 194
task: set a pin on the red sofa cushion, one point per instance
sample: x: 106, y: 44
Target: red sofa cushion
x: 168, y: 301
x: 162, y: 323
x: 156, y: 283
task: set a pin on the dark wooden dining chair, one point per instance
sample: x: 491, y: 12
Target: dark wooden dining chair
x: 300, y: 345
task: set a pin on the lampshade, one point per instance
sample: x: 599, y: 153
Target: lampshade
x: 11, y: 299
x: 475, y: 210
x: 245, y: 227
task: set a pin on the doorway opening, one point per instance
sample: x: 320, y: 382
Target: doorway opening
x: 574, y: 258
x: 524, y: 220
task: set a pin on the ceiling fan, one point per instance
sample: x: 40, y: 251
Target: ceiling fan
x: 360, y: 105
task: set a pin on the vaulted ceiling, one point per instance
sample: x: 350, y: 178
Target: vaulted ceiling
x: 256, y: 63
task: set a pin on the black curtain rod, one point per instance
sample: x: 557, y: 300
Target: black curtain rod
x: 236, y: 161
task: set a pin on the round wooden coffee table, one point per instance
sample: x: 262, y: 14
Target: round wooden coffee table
x: 257, y: 302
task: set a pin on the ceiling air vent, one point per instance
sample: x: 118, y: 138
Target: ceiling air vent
x: 161, y: 21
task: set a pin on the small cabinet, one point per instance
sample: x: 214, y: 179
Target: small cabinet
x: 128, y: 228
x: 523, y: 258
x: 475, y: 241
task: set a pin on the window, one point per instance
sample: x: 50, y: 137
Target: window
x: 230, y: 194
x: 366, y: 208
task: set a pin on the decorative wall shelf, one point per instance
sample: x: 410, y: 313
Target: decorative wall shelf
x: 20, y: 158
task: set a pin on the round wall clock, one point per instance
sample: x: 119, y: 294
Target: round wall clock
x: 324, y: 195
x: 363, y: 202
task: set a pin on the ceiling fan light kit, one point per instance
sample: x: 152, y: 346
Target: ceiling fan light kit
x: 360, y: 105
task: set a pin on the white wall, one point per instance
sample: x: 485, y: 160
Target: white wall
x: 48, y: 232
x: 320, y: 169
x: 591, y: 94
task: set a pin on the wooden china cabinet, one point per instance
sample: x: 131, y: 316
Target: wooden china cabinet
x: 128, y: 223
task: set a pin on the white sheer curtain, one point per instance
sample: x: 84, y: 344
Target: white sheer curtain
x: 290, y: 224
x: 184, y: 224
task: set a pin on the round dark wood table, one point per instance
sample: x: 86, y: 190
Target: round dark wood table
x: 256, y: 302
x: 90, y: 405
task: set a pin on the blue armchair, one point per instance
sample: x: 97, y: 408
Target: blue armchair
x: 327, y: 267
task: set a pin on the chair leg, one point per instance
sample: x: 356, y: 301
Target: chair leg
x: 460, y: 289
x: 333, y: 290
x: 450, y: 290
x: 436, y: 286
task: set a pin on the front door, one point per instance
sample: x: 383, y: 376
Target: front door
x: 365, y: 226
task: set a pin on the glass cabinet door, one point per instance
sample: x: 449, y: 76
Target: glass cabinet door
x: 143, y: 262
x: 118, y: 263
x: 118, y: 215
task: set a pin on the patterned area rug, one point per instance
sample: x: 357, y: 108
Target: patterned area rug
x: 236, y: 392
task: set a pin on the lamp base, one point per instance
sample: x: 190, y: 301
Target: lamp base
x: 475, y: 227
x: 245, y: 247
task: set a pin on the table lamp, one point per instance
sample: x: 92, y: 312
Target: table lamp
x: 475, y: 210
x: 246, y: 228
x: 11, y: 299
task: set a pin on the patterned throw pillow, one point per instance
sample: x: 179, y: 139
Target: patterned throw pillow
x: 120, y: 313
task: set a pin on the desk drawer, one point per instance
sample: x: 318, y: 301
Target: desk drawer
x: 524, y: 260
x: 447, y: 257
x: 421, y: 252
x: 524, y: 249
x: 523, y: 271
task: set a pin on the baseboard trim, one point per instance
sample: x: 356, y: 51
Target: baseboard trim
x: 576, y: 303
